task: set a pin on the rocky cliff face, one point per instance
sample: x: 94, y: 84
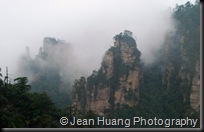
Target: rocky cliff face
x: 181, y: 70
x: 195, y: 90
x: 188, y: 81
x: 182, y: 55
x: 50, y: 71
x: 117, y: 81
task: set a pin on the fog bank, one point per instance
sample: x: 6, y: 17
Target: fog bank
x: 88, y: 25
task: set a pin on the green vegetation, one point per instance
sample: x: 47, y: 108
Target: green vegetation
x: 80, y: 86
x: 119, y: 68
x: 21, y: 108
x: 41, y: 104
x: 188, y: 33
x: 172, y: 101
x: 125, y: 38
x: 47, y: 71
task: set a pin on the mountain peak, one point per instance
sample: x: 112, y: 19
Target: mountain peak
x: 126, y: 36
x: 49, y: 40
x: 117, y: 81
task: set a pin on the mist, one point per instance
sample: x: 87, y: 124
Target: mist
x: 87, y: 25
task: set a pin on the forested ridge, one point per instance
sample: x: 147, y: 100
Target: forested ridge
x: 41, y: 104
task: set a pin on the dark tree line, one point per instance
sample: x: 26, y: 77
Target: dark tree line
x: 21, y: 108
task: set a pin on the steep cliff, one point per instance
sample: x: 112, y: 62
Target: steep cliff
x: 171, y: 84
x: 181, y: 56
x: 195, y: 90
x: 50, y: 70
x: 116, y: 83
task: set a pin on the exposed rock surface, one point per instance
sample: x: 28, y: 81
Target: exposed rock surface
x: 117, y: 81
x: 195, y: 90
x: 184, y: 68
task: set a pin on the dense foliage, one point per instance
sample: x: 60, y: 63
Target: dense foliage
x: 156, y: 98
x: 26, y: 106
x: 21, y: 108
x: 189, y: 27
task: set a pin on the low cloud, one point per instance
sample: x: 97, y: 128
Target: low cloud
x: 87, y: 25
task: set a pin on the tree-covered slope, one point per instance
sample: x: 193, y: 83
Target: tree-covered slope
x: 21, y: 108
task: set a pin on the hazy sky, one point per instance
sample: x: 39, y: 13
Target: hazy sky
x: 89, y: 25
